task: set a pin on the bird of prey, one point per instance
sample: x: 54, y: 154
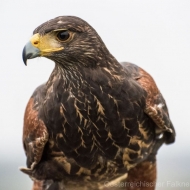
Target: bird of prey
x: 95, y: 121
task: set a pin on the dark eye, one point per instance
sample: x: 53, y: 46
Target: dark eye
x: 63, y: 35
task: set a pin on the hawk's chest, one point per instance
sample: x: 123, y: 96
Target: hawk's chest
x: 92, y: 120
x: 104, y: 101
x: 100, y: 111
x: 102, y: 105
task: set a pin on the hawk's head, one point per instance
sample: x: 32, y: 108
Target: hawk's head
x: 67, y: 40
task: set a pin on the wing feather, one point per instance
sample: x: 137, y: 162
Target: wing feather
x: 35, y: 136
x: 156, y: 107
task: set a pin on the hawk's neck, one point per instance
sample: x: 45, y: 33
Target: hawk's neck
x: 77, y: 75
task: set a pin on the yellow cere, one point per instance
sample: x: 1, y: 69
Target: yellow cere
x: 46, y: 43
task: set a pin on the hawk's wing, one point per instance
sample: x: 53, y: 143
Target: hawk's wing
x: 156, y: 107
x: 35, y: 134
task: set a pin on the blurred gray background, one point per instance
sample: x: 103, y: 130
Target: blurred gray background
x: 154, y: 34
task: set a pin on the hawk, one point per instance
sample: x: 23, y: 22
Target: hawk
x: 95, y: 121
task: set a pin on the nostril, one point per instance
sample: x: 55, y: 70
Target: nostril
x: 36, y: 42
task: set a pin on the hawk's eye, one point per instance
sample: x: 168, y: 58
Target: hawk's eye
x: 63, y: 35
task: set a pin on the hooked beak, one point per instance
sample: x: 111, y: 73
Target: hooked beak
x: 29, y: 52
x: 31, y: 49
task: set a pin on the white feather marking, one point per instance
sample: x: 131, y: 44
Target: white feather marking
x: 59, y: 22
x: 160, y: 105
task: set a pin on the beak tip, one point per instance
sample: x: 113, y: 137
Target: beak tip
x: 24, y: 57
x: 25, y: 61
